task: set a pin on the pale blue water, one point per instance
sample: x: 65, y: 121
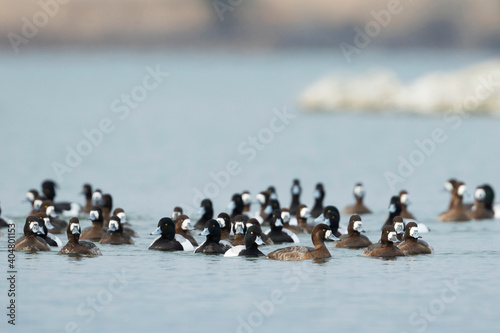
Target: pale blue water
x: 192, y: 124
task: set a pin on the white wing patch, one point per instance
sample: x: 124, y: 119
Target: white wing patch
x: 55, y: 239
x: 234, y: 251
x: 293, y: 235
x: 186, y: 245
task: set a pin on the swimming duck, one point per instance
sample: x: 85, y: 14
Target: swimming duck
x: 225, y: 225
x: 412, y: 244
x: 106, y: 204
x: 247, y: 201
x: 359, y: 207
x: 303, y: 214
x: 319, y: 196
x: 176, y: 213
x: 399, y: 226
x: 286, y: 217
x: 405, y: 201
x: 296, y: 191
x: 65, y: 208
x: 256, y: 223
x: 273, y: 205
x: 320, y: 233
x: 385, y: 247
x: 59, y: 225
x: 458, y: 212
x: 331, y: 217
x: 167, y: 240
x: 236, y: 206
x: 480, y: 209
x: 206, y: 212
x: 97, y: 230
x: 354, y: 239
x: 183, y: 227
x: 239, y: 229
x: 273, y: 195
x: 265, y: 209
x: 123, y: 220
x: 277, y: 233
x: 97, y: 197
x: 32, y: 196
x: 213, y: 243
x: 394, y: 210
x: 74, y: 245
x: 87, y: 192
x: 115, y: 234
x: 43, y: 230
x: 252, y: 240
x: 31, y: 242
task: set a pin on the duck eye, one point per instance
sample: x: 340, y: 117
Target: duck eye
x: 251, y: 232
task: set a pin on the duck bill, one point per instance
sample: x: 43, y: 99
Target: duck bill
x: 319, y: 219
x: 259, y: 241
x: 113, y: 226
x: 239, y: 230
x: 202, y: 211
x: 205, y: 232
x: 74, y: 229
x: 48, y: 224
x: 392, y: 237
x: 329, y: 235
x: 392, y: 208
x: 278, y: 223
x: 268, y: 210
x: 156, y: 232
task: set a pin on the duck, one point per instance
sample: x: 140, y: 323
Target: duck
x: 405, y: 202
x: 385, y: 248
x: 206, y: 212
x: 123, y: 218
x: 225, y: 225
x: 167, y: 240
x: 331, y: 217
x: 265, y: 209
x: 358, y: 208
x: 176, y: 212
x: 59, y: 225
x: 274, y: 204
x: 183, y: 227
x: 106, y: 204
x: 319, y: 196
x: 394, y: 210
x: 273, y: 195
x: 87, y: 192
x: 412, y: 244
x: 115, y: 234
x: 480, y: 209
x: 43, y: 230
x: 277, y: 233
x: 31, y: 196
x: 354, y: 239
x: 213, y: 243
x: 252, y: 240
x: 74, y: 245
x: 319, y: 234
x: 97, y: 230
x: 65, y: 208
x: 286, y: 217
x: 236, y: 206
x: 303, y: 214
x: 458, y: 212
x: 97, y: 197
x: 30, y: 241
x: 296, y: 191
x: 247, y: 201
x: 3, y: 223
x: 399, y: 227
x: 239, y: 230
x: 265, y: 238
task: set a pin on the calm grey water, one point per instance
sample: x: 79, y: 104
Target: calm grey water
x: 191, y: 126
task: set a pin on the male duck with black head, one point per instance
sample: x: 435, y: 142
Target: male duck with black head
x: 354, y: 239
x: 96, y: 231
x: 319, y: 196
x: 483, y: 204
x: 183, y: 226
x: 458, y: 213
x: 359, y: 207
x: 385, y: 248
x: 213, y: 243
x: 225, y: 225
x: 236, y: 206
x: 296, y: 191
x: 30, y: 241
x: 394, y: 210
x: 331, y: 217
x: 256, y: 223
x: 252, y: 241
x: 412, y: 244
x: 239, y: 230
x: 405, y: 202
x: 115, y: 234
x: 166, y: 241
x: 320, y: 233
x: 206, y: 212
x: 74, y: 245
x: 277, y: 233
x: 274, y: 204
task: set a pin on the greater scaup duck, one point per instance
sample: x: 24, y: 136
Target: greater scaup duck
x: 303, y: 214
x: 97, y: 197
x: 412, y: 244
x: 87, y: 192
x: 286, y: 217
x: 239, y: 230
x: 247, y: 201
x: 115, y: 234
x: 106, y: 204
x: 483, y: 204
x: 43, y: 230
x: 31, y: 242
x: 385, y: 247
x: 252, y: 241
x: 97, y: 230
x: 32, y: 196
x: 331, y: 217
x: 176, y: 212
x: 320, y: 233
x: 59, y: 225
x: 206, y: 212
x: 274, y: 204
x: 213, y: 243
x: 66, y: 208
x: 359, y: 207
x: 273, y: 195
x: 166, y: 241
x: 399, y: 226
x: 354, y: 239
x: 256, y: 223
x: 394, y: 210
x: 225, y: 225
x: 458, y: 212
x: 265, y: 209
x: 277, y: 233
x: 319, y: 196
x: 123, y: 221
x: 236, y: 206
x: 183, y: 226
x: 74, y: 245
x: 405, y: 201
x: 296, y: 191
